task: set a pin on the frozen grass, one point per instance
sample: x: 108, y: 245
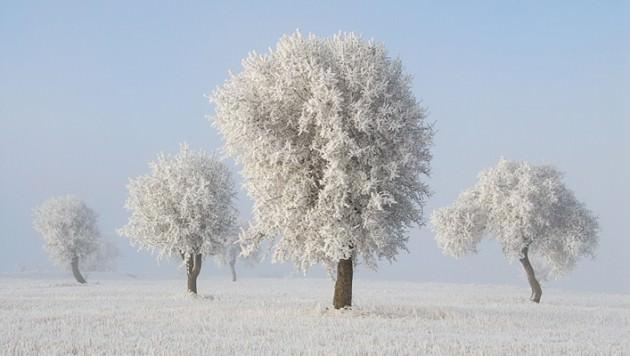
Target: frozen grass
x: 289, y: 316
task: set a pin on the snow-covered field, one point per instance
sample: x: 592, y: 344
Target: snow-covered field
x: 289, y: 316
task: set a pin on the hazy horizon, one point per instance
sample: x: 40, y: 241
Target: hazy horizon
x: 89, y: 94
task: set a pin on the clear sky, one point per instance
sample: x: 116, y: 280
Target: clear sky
x: 91, y: 91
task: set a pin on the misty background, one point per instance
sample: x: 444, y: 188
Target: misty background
x: 90, y: 92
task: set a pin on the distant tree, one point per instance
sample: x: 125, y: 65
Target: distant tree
x: 184, y: 208
x: 333, y: 145
x: 69, y: 230
x: 232, y: 252
x: 528, y: 210
x: 103, y: 259
x: 229, y: 257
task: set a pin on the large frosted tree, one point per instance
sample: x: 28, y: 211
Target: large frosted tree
x: 69, y: 230
x: 333, y: 146
x: 529, y: 210
x: 184, y: 208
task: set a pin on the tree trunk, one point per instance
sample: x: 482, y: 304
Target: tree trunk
x: 233, y: 269
x: 75, y: 270
x: 193, y: 267
x: 343, y: 285
x: 531, y: 277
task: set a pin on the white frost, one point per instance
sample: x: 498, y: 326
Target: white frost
x: 286, y: 317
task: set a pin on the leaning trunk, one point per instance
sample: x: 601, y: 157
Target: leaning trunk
x: 193, y: 267
x: 343, y: 285
x: 233, y: 269
x: 531, y: 277
x: 75, y: 271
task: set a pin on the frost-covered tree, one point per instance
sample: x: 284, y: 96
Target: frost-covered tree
x: 333, y: 146
x: 233, y: 251
x: 184, y: 208
x: 103, y: 259
x: 529, y: 211
x: 69, y: 230
x: 230, y: 255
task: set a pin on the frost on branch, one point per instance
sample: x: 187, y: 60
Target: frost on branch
x: 183, y: 207
x: 526, y: 208
x: 333, y: 146
x: 69, y: 230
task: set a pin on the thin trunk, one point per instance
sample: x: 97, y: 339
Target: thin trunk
x: 75, y: 271
x: 531, y: 277
x: 233, y: 269
x: 343, y: 285
x: 193, y: 267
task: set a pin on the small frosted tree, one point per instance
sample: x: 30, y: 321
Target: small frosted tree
x: 103, y: 259
x: 69, y: 230
x: 184, y: 208
x: 232, y: 252
x: 333, y: 146
x: 529, y: 211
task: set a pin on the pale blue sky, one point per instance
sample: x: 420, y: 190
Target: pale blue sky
x: 91, y: 91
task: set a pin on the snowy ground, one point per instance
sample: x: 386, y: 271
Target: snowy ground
x: 289, y: 316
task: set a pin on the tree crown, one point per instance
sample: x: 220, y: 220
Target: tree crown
x: 183, y: 207
x: 522, y: 206
x: 68, y: 228
x: 333, y: 145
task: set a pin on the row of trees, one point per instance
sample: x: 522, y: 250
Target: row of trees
x: 334, y: 150
x: 182, y: 208
x: 72, y: 239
